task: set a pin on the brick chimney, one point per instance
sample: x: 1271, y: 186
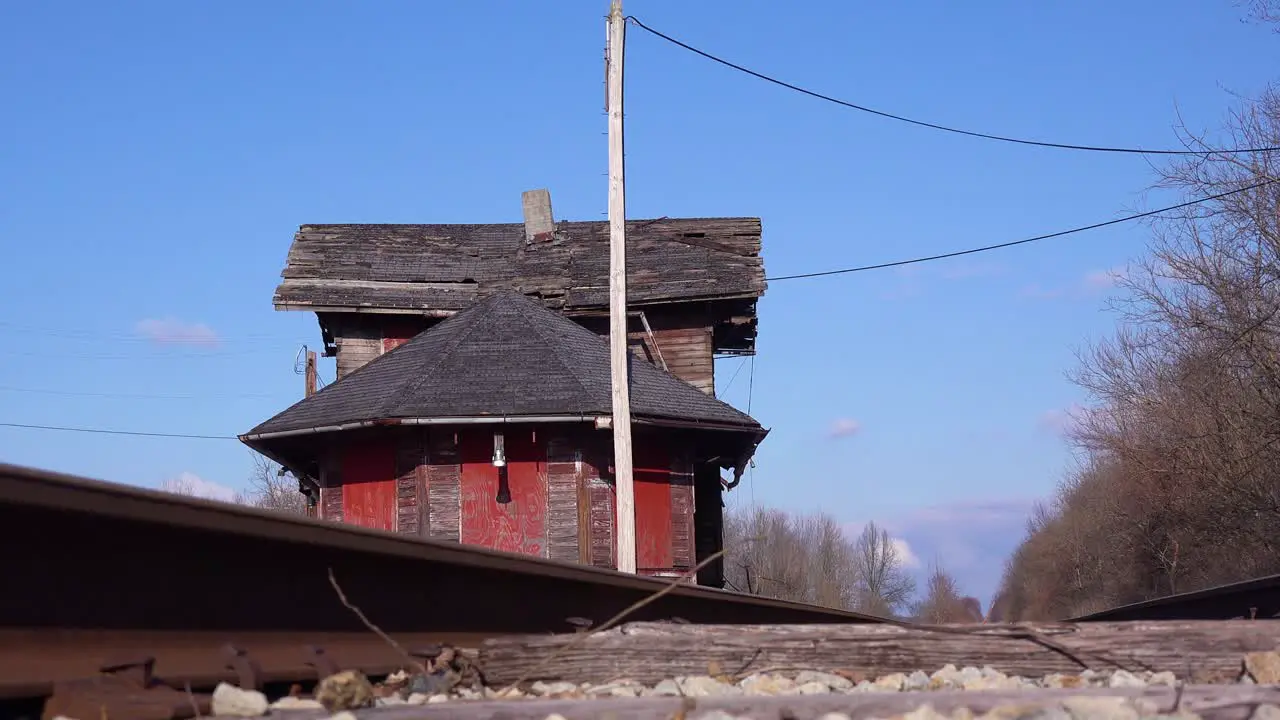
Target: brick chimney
x: 539, y: 224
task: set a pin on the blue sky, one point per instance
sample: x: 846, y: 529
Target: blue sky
x: 159, y: 156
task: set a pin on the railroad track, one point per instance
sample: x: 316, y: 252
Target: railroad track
x: 100, y: 576
x: 1258, y: 598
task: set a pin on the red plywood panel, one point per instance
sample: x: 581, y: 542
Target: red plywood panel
x: 652, y: 473
x: 519, y: 524
x: 398, y: 331
x: 369, y: 485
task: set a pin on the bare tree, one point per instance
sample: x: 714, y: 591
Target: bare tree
x: 1178, y: 488
x: 1263, y: 11
x: 193, y: 486
x: 805, y: 559
x: 884, y: 586
x: 943, y: 603
x: 268, y: 489
x: 272, y: 490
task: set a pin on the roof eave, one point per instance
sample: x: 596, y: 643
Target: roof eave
x: 694, y: 424
x: 569, y: 310
x: 252, y: 437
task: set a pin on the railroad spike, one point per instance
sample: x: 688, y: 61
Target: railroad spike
x: 248, y: 672
x: 321, y: 661
x: 137, y: 669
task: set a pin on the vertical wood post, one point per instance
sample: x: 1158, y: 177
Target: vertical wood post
x: 618, y: 354
x: 311, y: 373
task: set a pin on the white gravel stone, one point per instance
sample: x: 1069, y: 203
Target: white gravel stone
x: 945, y: 677
x: 235, y: 702
x: 1100, y: 708
x: 290, y: 702
x: 925, y: 712
x: 344, y: 715
x: 765, y: 684
x: 893, y: 681
x: 1163, y: 678
x: 620, y: 688
x: 1266, y: 712
x: 812, y: 688
x: 831, y: 680
x: 437, y: 699
x: 665, y: 688
x: 390, y: 701
x: 706, y: 686
x: 718, y: 715
x: 918, y: 680
x: 553, y: 688
x: 417, y: 699
x: 866, y: 686
x: 1124, y: 678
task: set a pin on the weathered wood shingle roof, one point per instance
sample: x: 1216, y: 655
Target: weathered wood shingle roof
x: 448, y: 267
x: 507, y: 356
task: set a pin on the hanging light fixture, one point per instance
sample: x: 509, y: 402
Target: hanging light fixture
x: 499, y: 454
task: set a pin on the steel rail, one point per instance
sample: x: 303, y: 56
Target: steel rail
x: 1258, y: 598
x: 94, y: 570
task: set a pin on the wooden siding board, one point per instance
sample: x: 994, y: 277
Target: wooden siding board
x: 600, y: 494
x: 331, y: 488
x: 410, y: 500
x: 356, y: 347
x: 708, y: 523
x: 562, y: 499
x: 682, y: 498
x: 443, y: 484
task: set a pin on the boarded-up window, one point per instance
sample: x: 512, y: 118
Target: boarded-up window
x: 504, y: 508
x: 369, y: 485
x: 652, y: 473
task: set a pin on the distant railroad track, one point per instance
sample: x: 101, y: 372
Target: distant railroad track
x: 1258, y: 598
x: 104, y: 575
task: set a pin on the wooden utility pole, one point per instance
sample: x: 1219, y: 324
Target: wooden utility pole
x: 311, y: 373
x: 618, y: 354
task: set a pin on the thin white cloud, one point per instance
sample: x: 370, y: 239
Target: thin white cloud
x: 1103, y: 279
x: 844, y: 427
x: 187, y: 483
x: 171, y: 331
x: 1088, y: 285
x: 970, y: 539
x: 905, y: 554
x: 1062, y: 421
x: 913, y: 279
x: 966, y: 270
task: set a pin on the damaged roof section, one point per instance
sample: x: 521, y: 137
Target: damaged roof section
x: 440, y: 269
x: 505, y: 357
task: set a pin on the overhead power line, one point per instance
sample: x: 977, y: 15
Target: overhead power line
x: 131, y: 396
x: 1023, y: 241
x: 104, y: 431
x: 936, y: 126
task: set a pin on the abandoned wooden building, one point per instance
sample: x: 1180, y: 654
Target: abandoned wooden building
x: 692, y: 284
x: 491, y: 428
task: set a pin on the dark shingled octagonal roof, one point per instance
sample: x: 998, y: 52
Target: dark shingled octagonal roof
x: 506, y: 356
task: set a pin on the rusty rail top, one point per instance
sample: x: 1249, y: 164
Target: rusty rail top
x: 101, y: 576
x: 1258, y: 598
x: 72, y: 505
